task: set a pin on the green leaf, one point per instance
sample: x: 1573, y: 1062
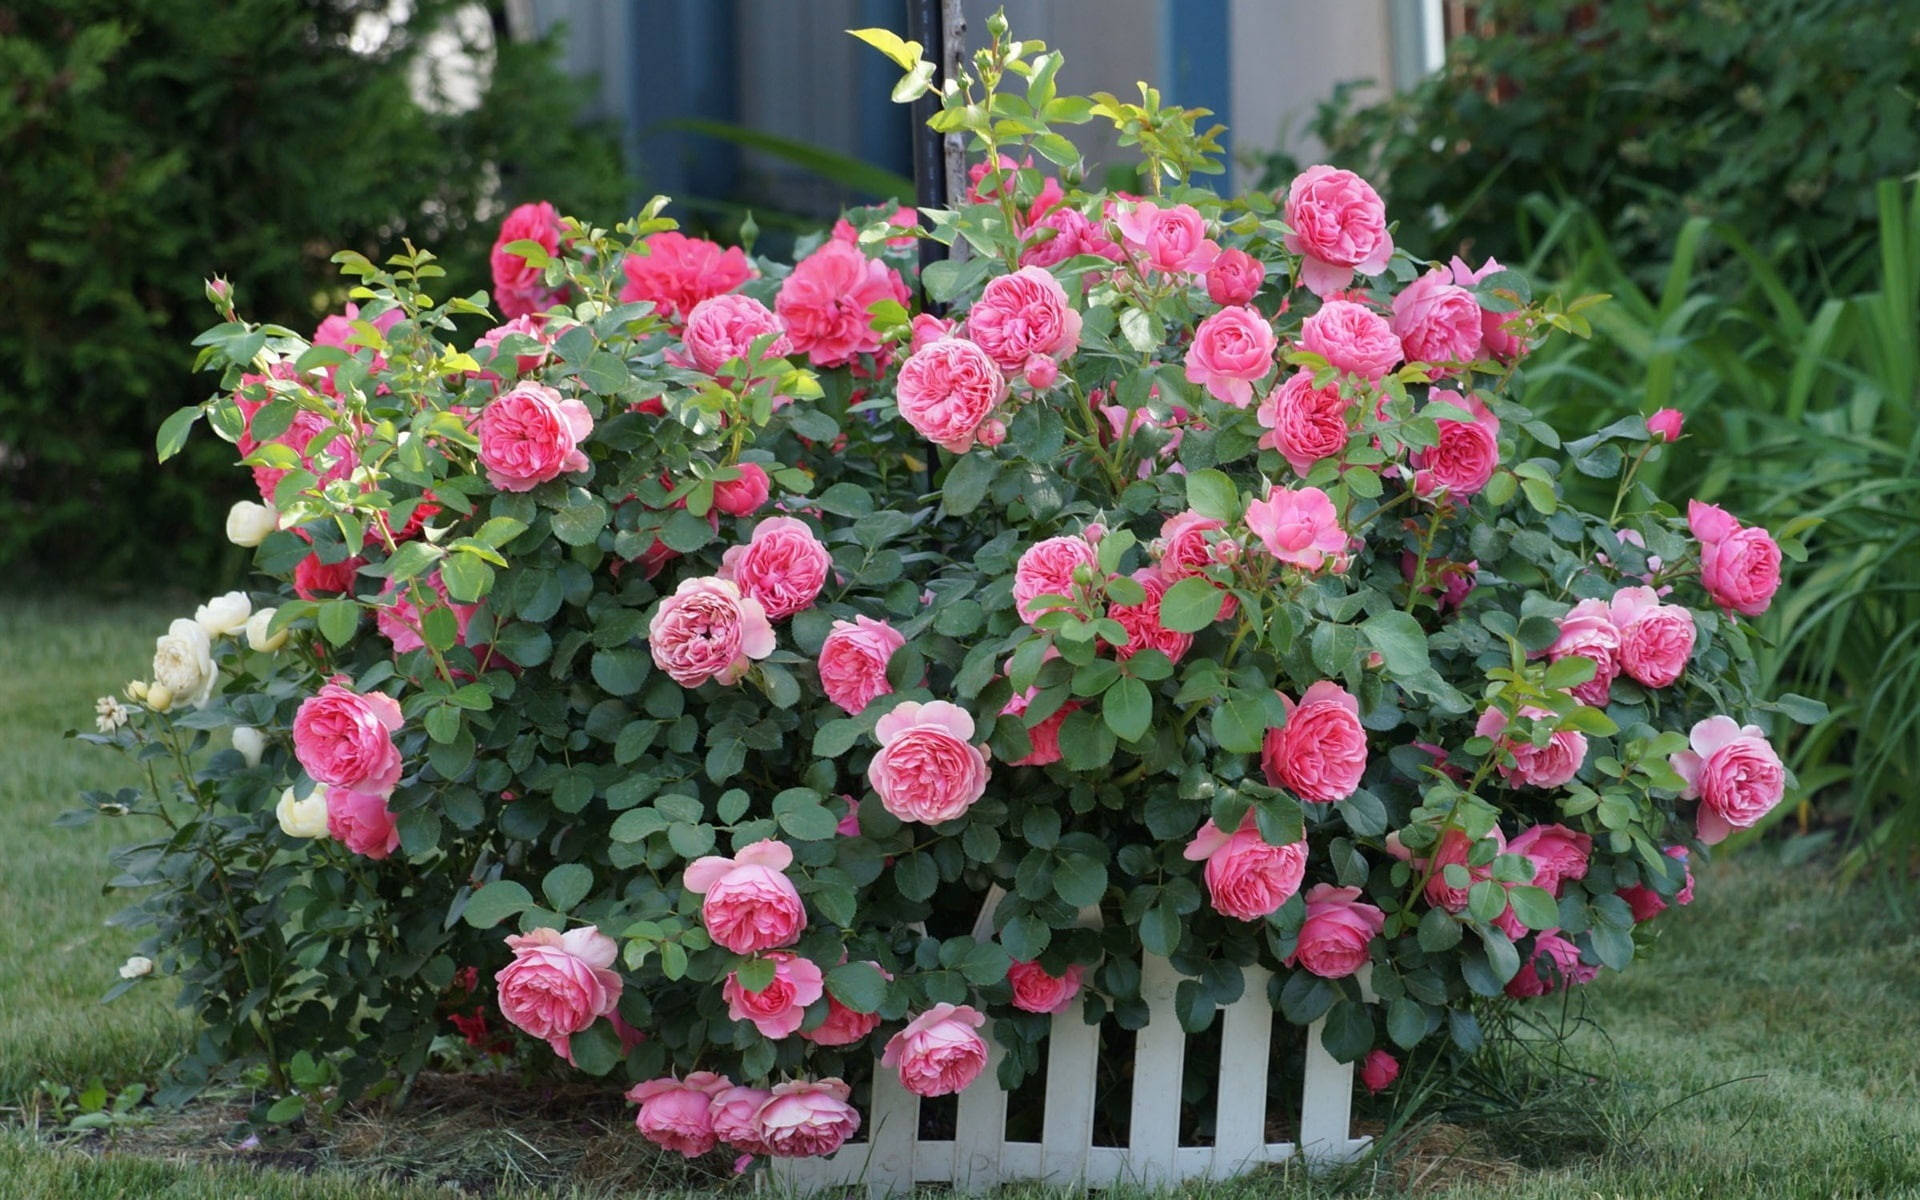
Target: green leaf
x: 985, y: 964
x: 904, y: 54
x: 413, y: 559
x: 605, y: 373
x: 916, y: 876
x: 173, y: 431
x: 287, y: 1108
x: 580, y: 520
x: 1079, y: 880
x: 1026, y: 936
x: 468, y: 579
x: 1348, y: 1034
x: 1239, y: 725
x: 1190, y: 605
x: 1540, y: 495
x: 1192, y: 1006
x: 1086, y: 744
x: 595, y: 1049
x: 496, y: 902
x: 1306, y: 997
x: 967, y: 482
x: 338, y: 619
x: 1212, y: 494
x: 802, y: 816
x: 1439, y: 932
x: 1400, y: 640
x: 621, y: 671
x: 1128, y: 709
x: 1160, y: 930
x: 1535, y: 906
x: 1406, y: 1022
x: 566, y: 885
x: 755, y: 974
x: 858, y: 985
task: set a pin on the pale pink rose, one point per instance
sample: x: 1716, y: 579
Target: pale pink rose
x: 825, y: 303
x: 1647, y: 903
x: 362, y: 822
x: 1378, y: 1071
x: 708, y: 629
x: 1558, y: 854
x: 777, y: 1009
x: 750, y: 905
x: 1666, y: 424
x: 1336, y: 932
x: 1436, y: 321
x: 1352, y: 338
x: 735, y: 1117
x: 1742, y: 570
x: 1552, y: 965
x: 1306, y: 423
x: 1656, y: 639
x: 1467, y: 454
x: 518, y: 286
x: 853, y: 662
x: 1047, y: 569
x: 675, y: 273
x: 1734, y: 772
x: 345, y: 740
x: 807, y: 1119
x: 678, y: 1114
x: 947, y: 389
x: 928, y: 769
x: 1170, y: 240
x: 722, y: 329
x: 399, y: 620
x: 336, y: 330
x: 1044, y: 737
x: 1246, y: 877
x: 1023, y: 317
x: 1338, y: 225
x: 1321, y: 752
x: 1235, y: 277
x: 939, y: 1052
x: 559, y: 983
x: 743, y: 495
x: 1587, y: 631
x: 1035, y: 991
x: 1142, y: 621
x: 928, y: 329
x: 1297, y: 526
x: 1550, y: 766
x: 1502, y: 343
x: 1231, y: 351
x: 783, y: 566
x: 844, y: 1026
x: 530, y: 435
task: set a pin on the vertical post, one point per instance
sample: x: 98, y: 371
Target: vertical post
x: 926, y: 24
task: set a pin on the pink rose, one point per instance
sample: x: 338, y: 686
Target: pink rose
x: 806, y: 1119
x: 559, y: 983
x: 783, y: 566
x: 1467, y: 454
x: 947, y: 389
x: 335, y: 460
x: 1023, y: 317
x: 1035, y: 991
x: 1656, y: 639
x: 1378, y: 1071
x: 526, y: 325
x: 677, y: 1115
x: 743, y: 495
x: 1557, y: 853
x: 1170, y: 240
x: 1587, y: 631
x: 1043, y: 737
x: 928, y: 329
x: 1142, y: 621
x: 313, y: 579
x: 399, y: 621
x: 750, y: 903
x: 1235, y: 278
x: 1062, y: 233
x: 1666, y: 424
x: 1436, y: 321
x: 1710, y: 522
x: 1548, y: 766
x: 1553, y: 965
x: 844, y: 1026
x: 735, y: 1117
x: 1455, y: 580
x: 361, y: 822
x: 1321, y: 752
x: 777, y: 1009
x: 708, y: 629
x: 1338, y: 225
x: 345, y: 740
x: 530, y: 435
x: 519, y: 286
x: 1336, y: 932
x: 1307, y: 423
x: 825, y: 303
x: 676, y: 272
x: 1047, y: 568
x: 939, y: 1052
x: 853, y: 662
x: 1734, y: 772
x: 1246, y: 878
x: 1231, y: 351
x: 1352, y: 338
x: 1502, y: 343
x: 1647, y: 903
x: 928, y: 769
x: 1297, y: 526
x: 1455, y: 849
x: 722, y: 329
x: 1739, y: 565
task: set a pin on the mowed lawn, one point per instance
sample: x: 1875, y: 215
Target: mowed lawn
x: 1769, y: 1048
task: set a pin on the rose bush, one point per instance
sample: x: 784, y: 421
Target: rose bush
x: 671, y: 700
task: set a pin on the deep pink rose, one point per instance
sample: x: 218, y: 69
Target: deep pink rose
x: 853, y: 662
x: 399, y: 620
x: 844, y: 1026
x: 1305, y: 423
x: 1378, y: 1071
x: 1502, y: 343
x: 1436, y: 321
x: 928, y: 769
x: 1587, y: 631
x: 1550, y: 766
x: 947, y: 389
x: 676, y: 272
x: 1142, y: 621
x: 1321, y: 752
x: 777, y: 1009
x: 1023, y: 317
x: 928, y: 329
x: 530, y: 435
x: 1734, y: 772
x: 361, y: 822
x: 750, y: 903
x: 1047, y: 569
x: 331, y: 460
x: 1231, y: 351
x: 1467, y: 454
x: 1035, y: 991
x: 807, y: 1119
x: 939, y: 1052
x: 345, y: 739
x: 677, y: 1114
x: 1647, y: 903
x: 1558, y: 854
x: 1741, y: 571
x: 1043, y: 737
x: 743, y: 495
x: 1666, y: 424
x: 1235, y: 277
x: 708, y: 629
x: 518, y: 286
x: 1456, y: 580
x: 1246, y: 878
x: 1297, y: 526
x: 722, y: 329
x: 1710, y: 522
x: 783, y: 566
x: 313, y: 579
x: 1336, y: 932
x: 735, y: 1117
x: 1552, y: 965
x: 1170, y: 240
x: 825, y: 303
x: 1352, y: 338
x: 1338, y: 225
x: 1656, y: 639
x: 559, y: 983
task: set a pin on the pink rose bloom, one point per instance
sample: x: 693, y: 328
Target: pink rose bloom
x: 928, y: 769
x: 1647, y: 903
x: 361, y: 822
x: 1235, y: 278
x: 531, y: 435
x: 345, y: 740
x: 527, y: 325
x: 1142, y: 621
x: 1352, y: 338
x: 1455, y: 580
x: 1666, y: 424
x: 708, y: 629
x: 947, y: 389
x: 743, y: 495
x: 1321, y: 752
x: 1587, y: 631
x: 1378, y: 1071
x: 1246, y: 878
x: 1023, y: 317
x: 518, y: 286
x: 1739, y: 565
x: 1454, y: 848
x: 1558, y: 854
x: 928, y: 329
x: 735, y: 1117
x: 844, y: 1026
x: 1656, y: 639
x: 853, y: 662
x: 1467, y: 454
x: 808, y: 1119
x: 1170, y: 240
x: 676, y: 272
x: 1336, y: 932
x: 1710, y: 522
x: 1548, y: 766
x: 1553, y: 965
x: 1062, y: 233
x: 722, y: 329
x: 559, y: 983
x: 750, y: 903
x: 1734, y: 772
x: 1183, y: 548
x: 1436, y: 321
x: 1044, y: 737
x: 1307, y: 423
x: 939, y: 1052
x: 1231, y: 351
x: 1297, y: 526
x: 1035, y: 991
x: 825, y: 302
x: 777, y: 1009
x: 1338, y: 225
x: 399, y: 621
x: 1499, y: 341
x: 783, y: 566
x: 1046, y: 569
x: 677, y: 1115
x: 335, y: 459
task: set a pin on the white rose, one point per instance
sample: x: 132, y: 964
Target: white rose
x: 224, y: 614
x: 183, y: 665
x: 257, y: 635
x: 303, y: 818
x: 136, y: 966
x: 250, y: 742
x: 248, y: 524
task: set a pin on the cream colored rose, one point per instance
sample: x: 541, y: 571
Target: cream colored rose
x: 303, y: 818
x: 183, y: 665
x: 258, y: 637
x: 248, y: 524
x: 250, y: 742
x: 224, y: 614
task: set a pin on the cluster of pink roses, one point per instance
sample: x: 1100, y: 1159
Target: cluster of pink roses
x: 344, y: 739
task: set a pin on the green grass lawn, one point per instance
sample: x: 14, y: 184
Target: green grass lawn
x: 1771, y: 1047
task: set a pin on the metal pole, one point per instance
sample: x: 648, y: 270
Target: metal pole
x: 925, y: 25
